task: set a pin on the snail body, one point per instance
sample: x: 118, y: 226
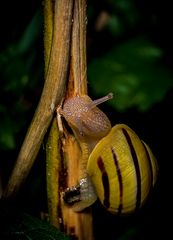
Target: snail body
x: 116, y: 166
x: 85, y: 118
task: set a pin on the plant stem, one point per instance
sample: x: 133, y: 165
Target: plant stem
x: 51, y: 96
x: 78, y: 60
x: 53, y: 166
x: 48, y: 31
x: 78, y: 225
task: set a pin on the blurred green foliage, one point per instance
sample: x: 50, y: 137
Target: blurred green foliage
x: 133, y: 65
x: 19, y: 77
x: 23, y: 226
x: 134, y: 73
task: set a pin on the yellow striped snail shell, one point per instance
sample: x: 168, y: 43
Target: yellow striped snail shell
x: 122, y: 169
x: 119, y: 167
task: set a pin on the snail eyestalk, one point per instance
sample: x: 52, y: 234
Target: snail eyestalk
x: 101, y: 100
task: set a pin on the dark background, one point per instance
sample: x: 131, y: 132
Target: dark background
x: 130, y: 54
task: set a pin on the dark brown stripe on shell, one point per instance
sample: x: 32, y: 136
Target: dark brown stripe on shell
x: 105, y: 182
x: 135, y: 160
x: 120, y: 180
x: 149, y: 162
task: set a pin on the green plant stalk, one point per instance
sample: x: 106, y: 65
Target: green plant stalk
x: 48, y: 31
x: 53, y: 165
x: 78, y: 49
x: 52, y: 94
x: 52, y: 146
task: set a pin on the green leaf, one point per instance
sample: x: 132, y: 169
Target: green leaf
x: 134, y: 73
x: 130, y: 234
x: 26, y: 227
x: 31, y: 33
x: 7, y: 140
